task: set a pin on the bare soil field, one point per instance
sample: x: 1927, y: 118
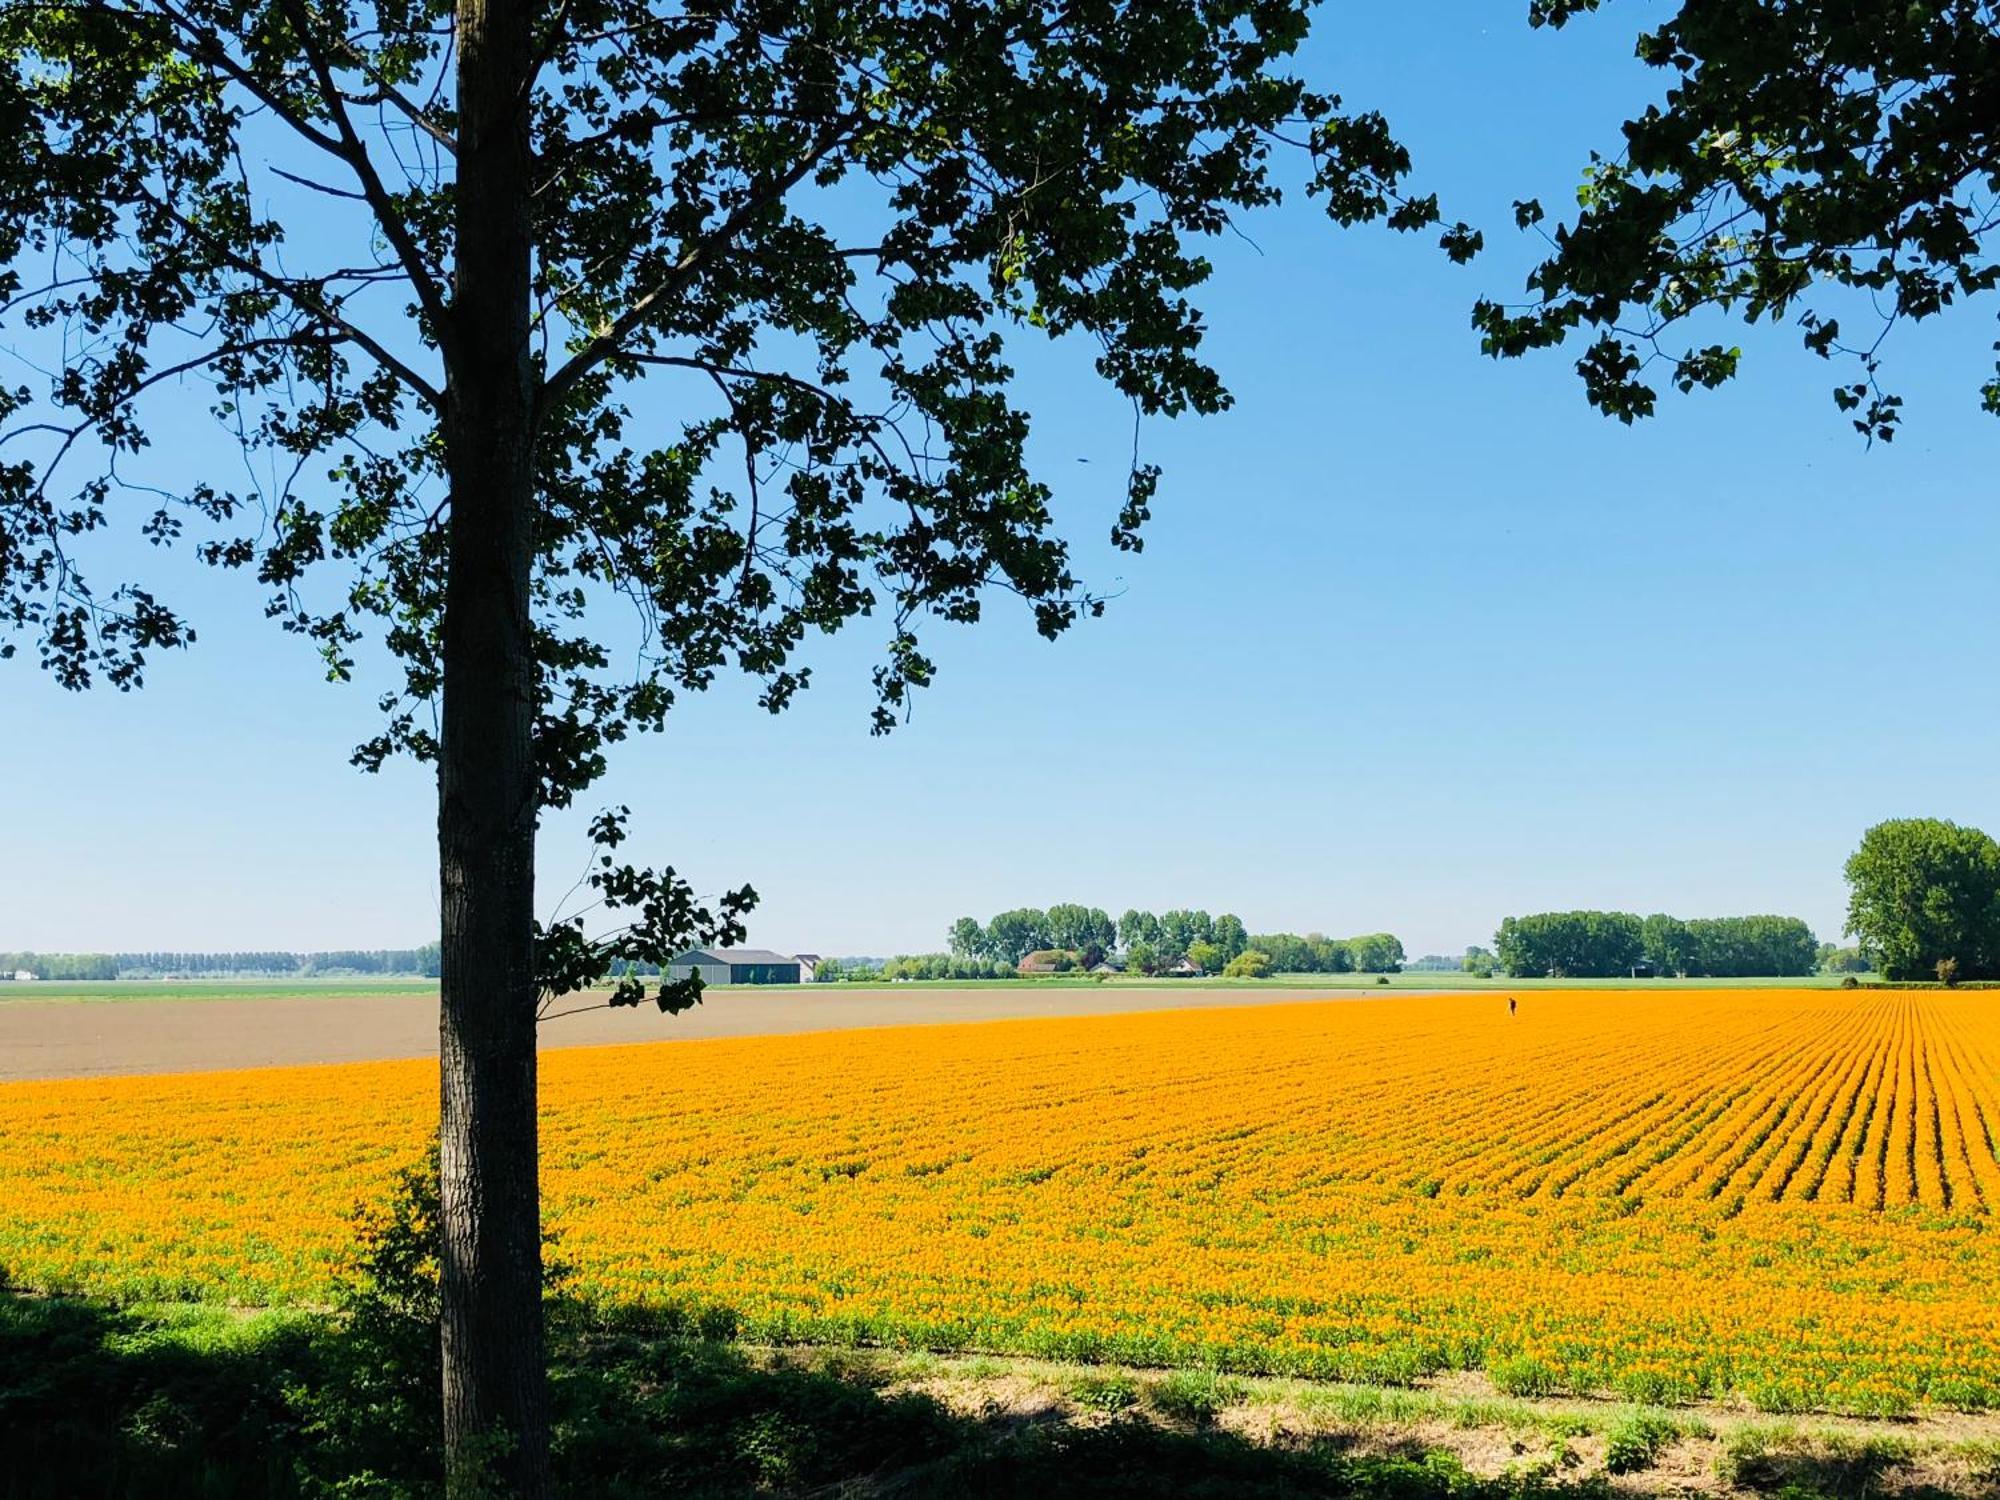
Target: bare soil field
x: 60, y: 1039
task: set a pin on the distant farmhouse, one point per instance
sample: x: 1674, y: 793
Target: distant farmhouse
x: 739, y: 966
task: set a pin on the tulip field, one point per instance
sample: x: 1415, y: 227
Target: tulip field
x: 1786, y: 1196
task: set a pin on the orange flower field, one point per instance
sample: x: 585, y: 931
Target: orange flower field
x: 1665, y: 1193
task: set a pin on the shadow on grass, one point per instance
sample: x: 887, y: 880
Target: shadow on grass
x: 1820, y: 1473
x: 100, y: 1401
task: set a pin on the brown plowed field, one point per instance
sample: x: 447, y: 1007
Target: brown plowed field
x: 71, y: 1039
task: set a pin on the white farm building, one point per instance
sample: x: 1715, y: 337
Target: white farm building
x: 737, y: 966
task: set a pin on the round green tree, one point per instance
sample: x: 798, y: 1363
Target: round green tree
x: 1249, y: 964
x: 1924, y: 890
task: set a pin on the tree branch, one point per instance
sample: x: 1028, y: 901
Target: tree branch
x: 384, y: 94
x: 354, y: 151
x: 207, y: 47
x: 247, y: 346
x: 291, y: 292
x: 318, y: 187
x: 640, y: 123
x: 608, y: 341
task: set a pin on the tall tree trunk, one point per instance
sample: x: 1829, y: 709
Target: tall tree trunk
x: 495, y: 1398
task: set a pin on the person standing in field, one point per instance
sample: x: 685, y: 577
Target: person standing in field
x: 1510, y: 1005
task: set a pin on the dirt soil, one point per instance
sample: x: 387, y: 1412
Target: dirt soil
x: 58, y: 1039
x: 1726, y: 1452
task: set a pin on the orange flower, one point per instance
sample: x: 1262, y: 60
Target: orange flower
x: 1666, y: 1193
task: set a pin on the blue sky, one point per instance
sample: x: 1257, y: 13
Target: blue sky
x: 1417, y: 640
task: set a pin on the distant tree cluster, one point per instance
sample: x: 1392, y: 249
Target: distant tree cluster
x: 1603, y: 944
x: 269, y: 965
x: 1155, y: 944
x: 1013, y: 935
x: 1074, y: 936
x: 1570, y: 944
x: 1252, y: 963
x: 1475, y: 960
x: 1924, y: 898
x: 1730, y: 947
x: 1371, y: 953
x: 910, y: 966
x: 60, y: 965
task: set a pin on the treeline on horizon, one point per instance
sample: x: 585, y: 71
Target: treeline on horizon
x: 1575, y: 945
x: 423, y: 962
x: 1075, y: 936
x: 1605, y: 944
x: 1153, y: 943
x: 1924, y: 904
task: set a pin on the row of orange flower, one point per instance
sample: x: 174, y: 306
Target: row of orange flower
x: 1669, y: 1193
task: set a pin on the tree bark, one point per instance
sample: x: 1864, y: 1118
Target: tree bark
x: 495, y: 1396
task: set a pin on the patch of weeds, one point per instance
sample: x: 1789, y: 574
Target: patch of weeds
x: 1547, y: 1476
x: 862, y: 1366
x: 1136, y: 1461
x: 775, y: 1446
x: 1106, y: 1391
x: 918, y: 1364
x: 160, y: 1422
x: 1365, y: 1405
x: 1468, y: 1412
x: 1781, y: 1462
x: 1568, y: 1426
x: 1194, y: 1395
x: 1343, y: 1403
x: 1981, y: 1458
x: 1634, y: 1441
x: 1746, y: 1445
x: 1411, y: 1406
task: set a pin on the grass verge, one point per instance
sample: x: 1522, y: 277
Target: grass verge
x: 172, y: 1401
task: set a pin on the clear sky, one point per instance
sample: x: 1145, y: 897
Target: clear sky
x: 1417, y: 640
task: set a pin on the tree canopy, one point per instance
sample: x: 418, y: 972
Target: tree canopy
x: 582, y: 352
x: 1153, y: 943
x: 1605, y: 944
x: 1075, y: 928
x: 1922, y: 891
x: 1311, y: 953
x: 1014, y: 167
x: 1835, y: 162
x: 1569, y: 944
x: 1729, y: 947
